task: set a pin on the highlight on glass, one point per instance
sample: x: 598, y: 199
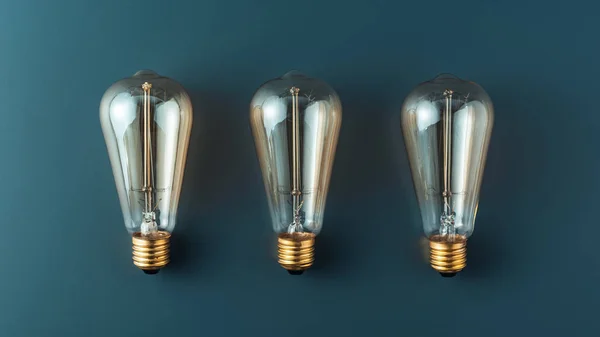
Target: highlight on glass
x: 146, y: 120
x: 295, y: 122
x: 447, y: 123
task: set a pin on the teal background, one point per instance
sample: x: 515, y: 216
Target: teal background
x: 65, y: 259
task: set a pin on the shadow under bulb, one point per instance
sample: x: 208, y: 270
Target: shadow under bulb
x: 146, y: 120
x: 447, y: 124
x: 295, y: 122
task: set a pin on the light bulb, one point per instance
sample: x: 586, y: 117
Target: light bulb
x: 146, y: 120
x: 447, y: 124
x: 295, y: 122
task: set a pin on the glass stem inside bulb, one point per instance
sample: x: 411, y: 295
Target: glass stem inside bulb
x: 148, y: 225
x: 296, y: 225
x: 447, y: 219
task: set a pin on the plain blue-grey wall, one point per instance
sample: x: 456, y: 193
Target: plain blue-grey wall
x: 65, y: 257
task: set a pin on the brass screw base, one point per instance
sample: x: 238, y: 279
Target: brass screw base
x: 448, y: 256
x: 151, y: 252
x: 296, y: 251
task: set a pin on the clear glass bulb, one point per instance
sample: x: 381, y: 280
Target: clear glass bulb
x: 146, y: 120
x: 447, y: 124
x: 295, y: 122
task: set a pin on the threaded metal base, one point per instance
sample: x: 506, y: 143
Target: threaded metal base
x: 448, y: 256
x: 296, y: 251
x: 151, y: 252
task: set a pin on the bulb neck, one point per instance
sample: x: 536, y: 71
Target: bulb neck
x: 296, y: 251
x: 448, y: 254
x: 151, y: 252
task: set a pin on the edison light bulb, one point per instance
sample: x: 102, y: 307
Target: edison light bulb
x: 296, y: 122
x: 447, y: 124
x: 146, y: 120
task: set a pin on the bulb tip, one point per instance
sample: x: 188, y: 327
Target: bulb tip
x: 296, y: 251
x: 448, y: 275
x: 151, y: 271
x: 293, y: 73
x: 145, y: 73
